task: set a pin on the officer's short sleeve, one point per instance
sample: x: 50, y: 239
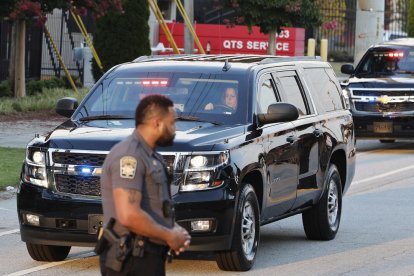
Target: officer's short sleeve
x: 128, y: 172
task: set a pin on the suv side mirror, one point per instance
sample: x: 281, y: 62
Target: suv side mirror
x: 347, y: 69
x: 279, y: 112
x: 66, y: 106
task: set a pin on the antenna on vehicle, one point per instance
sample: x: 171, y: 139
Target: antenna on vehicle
x: 226, y: 66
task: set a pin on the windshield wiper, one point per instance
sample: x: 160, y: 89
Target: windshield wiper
x: 367, y: 74
x: 104, y: 117
x: 196, y: 119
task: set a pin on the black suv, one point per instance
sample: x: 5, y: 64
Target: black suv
x: 286, y: 148
x: 380, y: 91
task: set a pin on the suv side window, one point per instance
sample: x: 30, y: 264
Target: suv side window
x: 292, y: 92
x: 266, y: 95
x: 327, y: 94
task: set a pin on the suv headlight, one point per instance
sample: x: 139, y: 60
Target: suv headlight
x: 201, y: 171
x: 345, y: 93
x: 35, y: 168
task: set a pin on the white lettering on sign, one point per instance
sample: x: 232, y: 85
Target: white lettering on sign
x: 257, y: 45
x: 282, y: 46
x: 254, y: 45
x: 283, y: 34
x: 233, y: 44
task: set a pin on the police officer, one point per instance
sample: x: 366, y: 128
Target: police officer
x: 135, y: 190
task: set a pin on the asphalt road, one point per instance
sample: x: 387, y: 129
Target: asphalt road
x: 376, y: 234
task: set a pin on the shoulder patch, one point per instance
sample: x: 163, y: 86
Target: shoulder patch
x: 128, y: 166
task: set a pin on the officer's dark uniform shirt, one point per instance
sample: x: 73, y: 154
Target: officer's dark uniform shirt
x: 132, y: 164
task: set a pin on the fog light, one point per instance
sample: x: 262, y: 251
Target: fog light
x: 32, y: 219
x: 201, y: 225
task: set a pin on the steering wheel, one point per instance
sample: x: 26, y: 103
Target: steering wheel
x: 223, y: 108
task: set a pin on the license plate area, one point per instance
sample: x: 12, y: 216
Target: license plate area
x: 94, y: 222
x: 383, y: 127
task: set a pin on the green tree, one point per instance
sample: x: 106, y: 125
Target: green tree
x: 120, y: 38
x: 410, y: 25
x: 271, y: 15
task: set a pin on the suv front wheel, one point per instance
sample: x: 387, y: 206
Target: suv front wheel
x: 47, y: 253
x: 322, y: 221
x: 246, y: 234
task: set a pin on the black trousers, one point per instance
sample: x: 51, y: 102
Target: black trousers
x: 151, y: 264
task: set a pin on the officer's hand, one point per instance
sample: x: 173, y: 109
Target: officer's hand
x: 179, y: 239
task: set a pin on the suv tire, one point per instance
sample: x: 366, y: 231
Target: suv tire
x: 47, y: 253
x: 322, y: 221
x: 246, y: 234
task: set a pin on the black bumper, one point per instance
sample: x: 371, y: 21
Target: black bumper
x: 63, y: 220
x: 383, y: 126
x: 69, y: 221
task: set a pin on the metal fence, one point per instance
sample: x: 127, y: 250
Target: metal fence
x: 339, y: 22
x: 33, y: 50
x: 396, y: 18
x: 338, y: 27
x: 66, y: 40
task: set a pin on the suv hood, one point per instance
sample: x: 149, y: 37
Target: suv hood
x: 102, y: 135
x: 390, y: 82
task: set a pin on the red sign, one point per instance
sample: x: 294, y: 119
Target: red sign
x: 237, y: 40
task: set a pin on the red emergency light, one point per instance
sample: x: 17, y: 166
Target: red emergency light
x: 155, y: 82
x: 396, y: 54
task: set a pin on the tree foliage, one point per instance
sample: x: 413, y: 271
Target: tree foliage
x: 271, y: 15
x: 30, y: 10
x: 122, y: 38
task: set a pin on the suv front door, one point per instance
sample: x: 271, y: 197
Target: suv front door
x: 280, y: 155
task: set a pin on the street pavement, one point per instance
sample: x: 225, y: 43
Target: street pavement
x: 18, y: 133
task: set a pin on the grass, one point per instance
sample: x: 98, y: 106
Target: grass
x: 40, y: 102
x: 11, y: 160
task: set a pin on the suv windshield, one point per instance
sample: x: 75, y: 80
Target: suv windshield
x: 386, y: 61
x: 216, y: 98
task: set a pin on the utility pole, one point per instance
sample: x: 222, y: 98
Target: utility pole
x: 188, y: 38
x: 369, y: 25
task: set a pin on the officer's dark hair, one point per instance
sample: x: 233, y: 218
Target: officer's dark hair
x: 150, y: 106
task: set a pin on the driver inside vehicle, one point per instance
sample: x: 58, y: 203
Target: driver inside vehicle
x: 229, y: 102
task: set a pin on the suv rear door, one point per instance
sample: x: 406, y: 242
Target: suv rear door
x: 308, y: 133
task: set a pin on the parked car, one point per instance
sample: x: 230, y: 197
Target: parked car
x: 391, y: 35
x: 286, y: 148
x: 380, y: 91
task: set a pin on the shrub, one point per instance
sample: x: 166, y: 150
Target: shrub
x: 120, y: 38
x: 34, y: 87
x: 5, y: 89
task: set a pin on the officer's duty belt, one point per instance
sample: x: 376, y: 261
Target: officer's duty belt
x: 155, y: 249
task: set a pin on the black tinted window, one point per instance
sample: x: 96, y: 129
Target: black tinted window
x: 265, y: 96
x: 324, y: 89
x: 292, y: 93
